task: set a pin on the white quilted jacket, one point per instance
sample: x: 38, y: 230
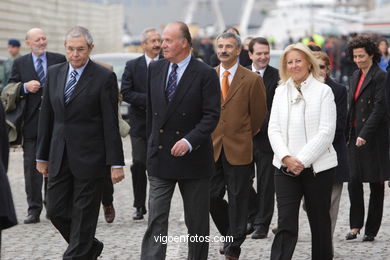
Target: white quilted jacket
x: 320, y: 124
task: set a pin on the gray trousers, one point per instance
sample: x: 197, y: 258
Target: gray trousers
x: 32, y: 178
x: 196, y: 197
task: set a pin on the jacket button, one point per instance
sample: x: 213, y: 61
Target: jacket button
x: 363, y: 119
x: 160, y: 147
x: 177, y: 132
x: 183, y: 114
x: 156, y: 114
x: 361, y: 100
x: 161, y: 130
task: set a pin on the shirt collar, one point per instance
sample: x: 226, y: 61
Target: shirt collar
x: 79, y: 70
x: 261, y: 71
x: 184, y: 62
x: 232, y: 70
x: 148, y: 59
x: 35, y: 57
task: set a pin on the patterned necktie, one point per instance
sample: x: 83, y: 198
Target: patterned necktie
x: 41, y: 72
x: 225, y: 84
x: 172, y: 83
x: 70, y: 86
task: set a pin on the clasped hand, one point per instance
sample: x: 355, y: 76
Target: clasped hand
x: 294, y: 165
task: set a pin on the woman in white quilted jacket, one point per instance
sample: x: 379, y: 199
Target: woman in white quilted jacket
x: 301, y: 131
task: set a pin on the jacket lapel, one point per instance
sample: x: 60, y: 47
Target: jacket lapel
x: 353, y: 85
x: 182, y: 88
x: 236, y: 83
x: 83, y: 81
x: 367, y: 79
x: 30, y: 65
x: 61, y: 81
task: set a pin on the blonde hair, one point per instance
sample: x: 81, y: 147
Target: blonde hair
x: 314, y: 69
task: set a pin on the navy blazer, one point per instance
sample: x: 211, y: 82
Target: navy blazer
x: 23, y: 70
x: 193, y: 114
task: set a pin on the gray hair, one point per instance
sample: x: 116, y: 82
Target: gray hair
x: 228, y: 35
x: 146, y: 32
x: 79, y: 31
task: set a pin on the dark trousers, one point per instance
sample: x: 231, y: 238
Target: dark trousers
x: 32, y: 178
x: 317, y: 193
x: 195, y: 194
x: 261, y: 206
x: 138, y: 170
x: 230, y: 218
x: 375, y: 206
x: 73, y: 208
x: 107, y: 191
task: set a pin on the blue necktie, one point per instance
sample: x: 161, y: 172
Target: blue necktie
x: 172, y: 83
x: 41, y: 72
x: 70, y: 86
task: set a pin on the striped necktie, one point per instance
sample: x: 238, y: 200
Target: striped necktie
x: 172, y: 83
x: 69, y: 88
x: 41, y: 72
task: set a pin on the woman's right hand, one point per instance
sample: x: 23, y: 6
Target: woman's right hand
x: 294, y: 165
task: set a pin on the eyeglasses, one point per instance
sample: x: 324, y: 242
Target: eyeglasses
x: 285, y: 172
x: 322, y: 67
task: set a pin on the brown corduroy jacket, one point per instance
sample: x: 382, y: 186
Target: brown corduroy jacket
x: 242, y: 114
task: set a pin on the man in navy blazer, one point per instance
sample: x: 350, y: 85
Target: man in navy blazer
x: 182, y: 111
x: 25, y: 69
x: 79, y: 143
x: 133, y: 89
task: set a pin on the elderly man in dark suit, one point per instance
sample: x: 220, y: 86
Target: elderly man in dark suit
x: 133, y: 89
x: 183, y: 110
x: 79, y: 143
x: 243, y: 109
x: 31, y: 70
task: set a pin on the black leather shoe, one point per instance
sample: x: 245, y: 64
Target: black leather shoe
x: 139, y: 213
x: 368, y: 238
x: 351, y: 235
x: 249, y: 228
x: 97, y: 248
x: 274, y: 230
x: 109, y: 213
x: 222, y: 250
x: 259, y: 233
x: 31, y: 219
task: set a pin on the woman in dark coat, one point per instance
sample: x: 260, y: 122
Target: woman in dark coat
x: 7, y: 210
x: 367, y: 138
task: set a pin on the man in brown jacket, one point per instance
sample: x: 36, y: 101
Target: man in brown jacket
x: 243, y: 107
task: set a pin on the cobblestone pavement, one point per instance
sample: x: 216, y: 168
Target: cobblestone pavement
x: 122, y: 239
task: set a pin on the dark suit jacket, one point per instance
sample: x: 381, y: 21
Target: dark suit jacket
x: 339, y: 143
x: 193, y: 114
x: 87, y: 127
x: 270, y: 79
x: 7, y: 210
x: 133, y: 89
x: 23, y: 70
x: 369, y: 163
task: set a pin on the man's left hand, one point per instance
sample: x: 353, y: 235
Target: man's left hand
x: 117, y: 174
x: 180, y: 148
